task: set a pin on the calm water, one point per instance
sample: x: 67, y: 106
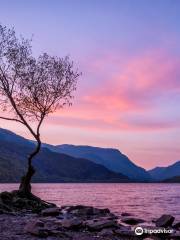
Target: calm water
x: 143, y: 200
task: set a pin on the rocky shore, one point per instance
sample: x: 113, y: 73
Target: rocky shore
x: 31, y: 219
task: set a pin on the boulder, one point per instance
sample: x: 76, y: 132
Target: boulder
x: 106, y: 232
x: 132, y: 220
x: 81, y: 210
x: 35, y: 223
x: 165, y: 221
x: 124, y: 231
x: 175, y: 235
x: 36, y: 228
x: 72, y: 223
x: 76, y: 207
x: 99, y: 224
x: 50, y: 212
x: 177, y: 225
x: 107, y: 217
x: 97, y: 211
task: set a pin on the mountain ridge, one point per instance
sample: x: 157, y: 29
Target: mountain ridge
x: 111, y: 158
x: 162, y: 173
x: 104, y: 157
x: 13, y: 161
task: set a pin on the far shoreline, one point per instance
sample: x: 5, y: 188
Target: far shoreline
x: 17, y: 183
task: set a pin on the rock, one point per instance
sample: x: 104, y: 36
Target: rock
x: 76, y: 207
x: 4, y: 208
x: 83, y: 211
x: 106, y: 232
x: 57, y: 234
x: 101, y: 211
x: 36, y: 228
x: 176, y: 225
x: 50, y: 212
x: 165, y: 221
x: 175, y: 235
x: 108, y: 217
x: 99, y: 224
x: 132, y: 220
x: 6, y: 197
x: 86, y: 210
x: 33, y: 224
x: 124, y: 231
x: 73, y: 223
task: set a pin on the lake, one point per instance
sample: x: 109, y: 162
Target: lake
x: 143, y: 200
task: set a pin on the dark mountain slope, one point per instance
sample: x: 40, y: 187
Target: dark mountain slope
x: 161, y: 173
x: 51, y: 166
x: 172, y: 180
x: 112, y: 159
x: 8, y: 136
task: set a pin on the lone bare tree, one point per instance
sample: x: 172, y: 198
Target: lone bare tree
x: 32, y: 88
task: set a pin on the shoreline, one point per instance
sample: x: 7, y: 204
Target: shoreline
x: 93, y: 183
x: 80, y: 223
x: 28, y: 217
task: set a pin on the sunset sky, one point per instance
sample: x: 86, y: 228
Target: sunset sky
x: 129, y: 54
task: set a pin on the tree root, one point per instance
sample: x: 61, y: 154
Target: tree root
x: 17, y: 201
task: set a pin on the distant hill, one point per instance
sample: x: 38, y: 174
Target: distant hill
x: 172, y: 180
x: 162, y: 173
x: 111, y: 158
x: 8, y: 136
x: 51, y: 166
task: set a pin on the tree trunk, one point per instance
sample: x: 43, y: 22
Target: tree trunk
x: 25, y: 186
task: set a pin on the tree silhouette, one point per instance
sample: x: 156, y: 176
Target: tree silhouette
x: 32, y: 88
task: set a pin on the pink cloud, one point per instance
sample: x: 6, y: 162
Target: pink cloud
x: 100, y: 124
x: 143, y: 79
x: 125, y: 95
x: 141, y: 87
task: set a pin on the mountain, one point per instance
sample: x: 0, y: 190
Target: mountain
x: 162, y: 173
x: 172, y: 180
x: 111, y: 158
x: 8, y: 136
x: 50, y: 166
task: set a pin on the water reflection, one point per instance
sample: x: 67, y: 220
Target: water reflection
x: 143, y: 200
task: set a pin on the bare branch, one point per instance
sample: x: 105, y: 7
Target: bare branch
x: 11, y: 119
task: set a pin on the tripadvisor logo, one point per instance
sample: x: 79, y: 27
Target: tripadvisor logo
x: 140, y: 231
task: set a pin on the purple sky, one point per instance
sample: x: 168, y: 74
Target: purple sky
x: 129, y: 53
